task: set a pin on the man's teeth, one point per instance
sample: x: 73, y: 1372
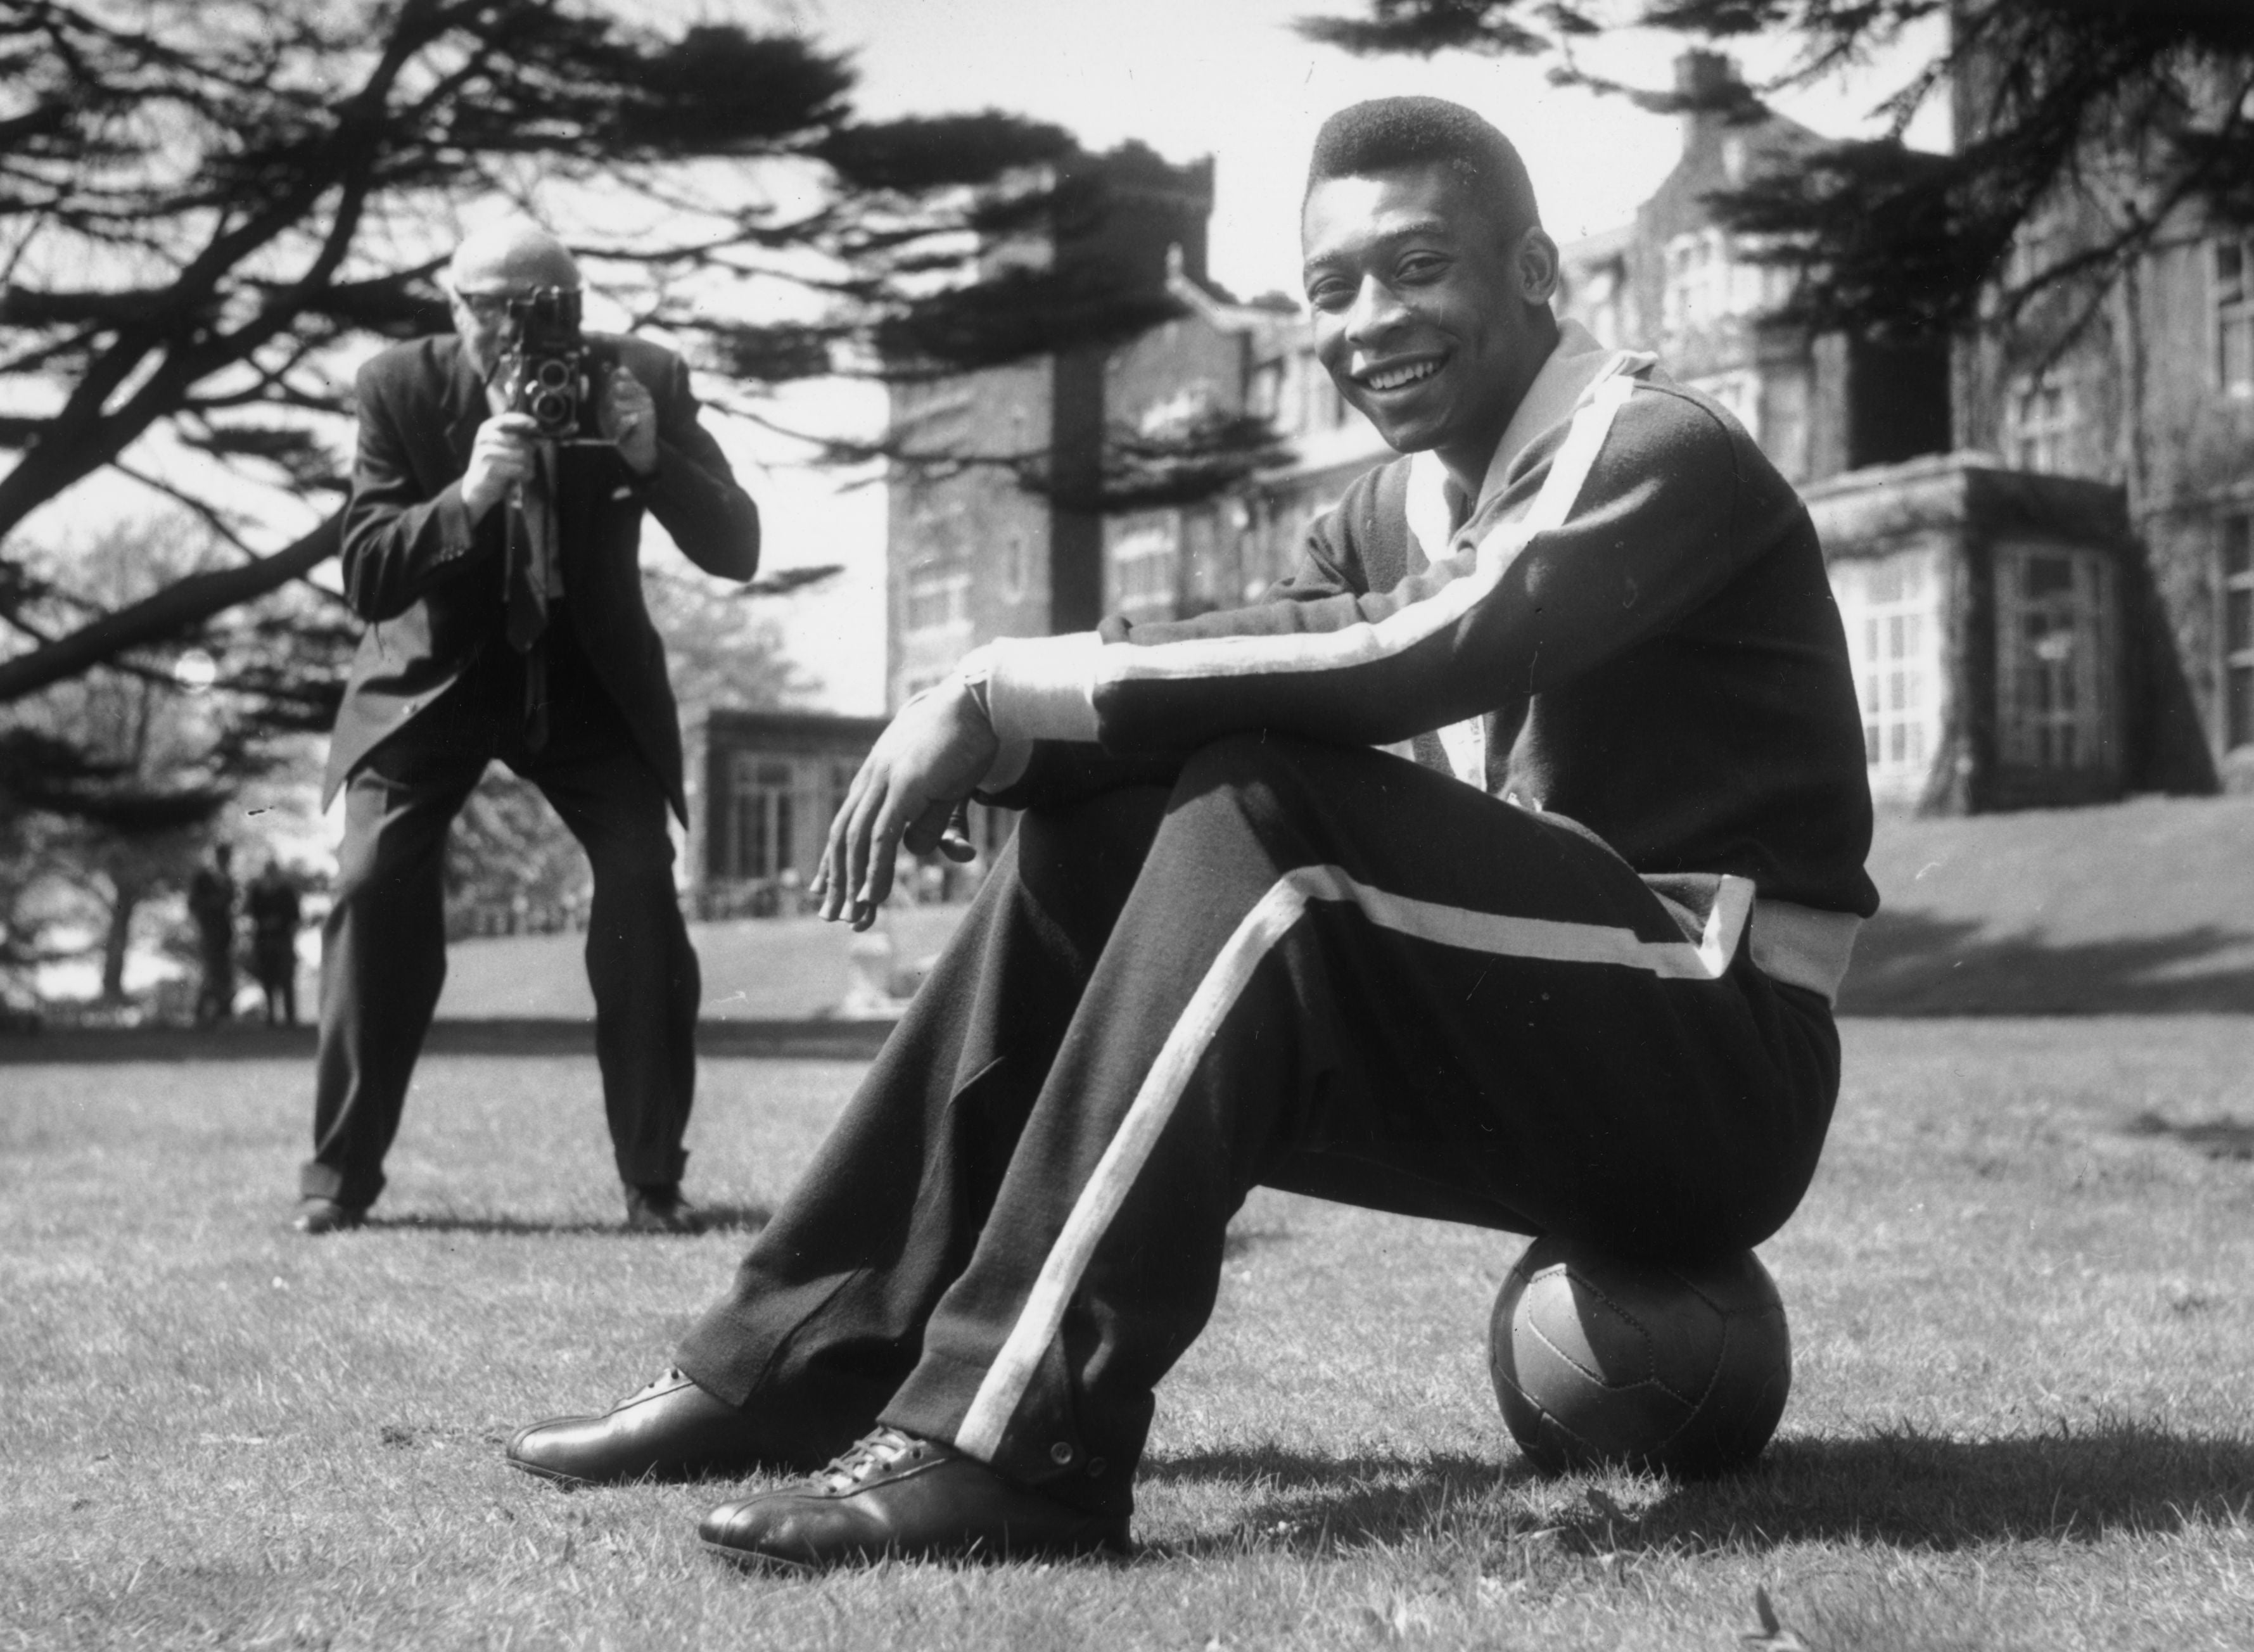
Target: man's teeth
x: 1394, y: 378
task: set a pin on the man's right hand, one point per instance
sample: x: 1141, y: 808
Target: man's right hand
x: 501, y: 457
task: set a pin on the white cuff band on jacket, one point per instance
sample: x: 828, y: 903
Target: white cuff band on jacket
x: 1009, y: 763
x: 1043, y: 688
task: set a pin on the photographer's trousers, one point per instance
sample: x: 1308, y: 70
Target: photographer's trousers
x: 383, y: 945
x: 1318, y: 969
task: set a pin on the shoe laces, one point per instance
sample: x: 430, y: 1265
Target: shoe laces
x: 872, y: 1455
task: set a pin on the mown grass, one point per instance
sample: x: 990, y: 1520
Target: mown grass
x: 2019, y: 1295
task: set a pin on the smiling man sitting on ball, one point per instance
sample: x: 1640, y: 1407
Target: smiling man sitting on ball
x: 1499, y: 867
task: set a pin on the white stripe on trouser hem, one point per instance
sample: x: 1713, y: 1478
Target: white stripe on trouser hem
x: 1254, y: 937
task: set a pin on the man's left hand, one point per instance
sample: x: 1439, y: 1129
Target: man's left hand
x: 929, y: 758
x: 628, y: 417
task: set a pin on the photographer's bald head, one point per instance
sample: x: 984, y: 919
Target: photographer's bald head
x: 494, y: 265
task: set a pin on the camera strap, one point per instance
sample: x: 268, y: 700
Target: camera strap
x: 533, y: 551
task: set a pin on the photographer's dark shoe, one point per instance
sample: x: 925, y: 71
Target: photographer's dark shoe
x: 661, y: 1210
x: 672, y: 1430
x: 893, y: 1495
x: 317, y: 1216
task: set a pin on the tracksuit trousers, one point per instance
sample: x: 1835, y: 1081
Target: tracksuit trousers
x: 1320, y: 968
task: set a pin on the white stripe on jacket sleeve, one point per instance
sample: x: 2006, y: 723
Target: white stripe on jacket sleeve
x: 1045, y: 688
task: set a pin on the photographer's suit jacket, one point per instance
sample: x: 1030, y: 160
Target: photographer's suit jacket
x: 430, y: 585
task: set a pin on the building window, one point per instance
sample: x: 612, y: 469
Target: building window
x: 1264, y: 399
x: 1706, y: 280
x: 1144, y: 562
x: 1739, y: 392
x: 1888, y: 606
x: 1756, y: 286
x: 762, y: 841
x: 2233, y: 271
x: 2038, y: 243
x: 1600, y: 303
x: 938, y: 598
x: 1697, y: 277
x: 2040, y: 419
x: 2238, y: 629
x: 2054, y: 657
x: 1017, y: 566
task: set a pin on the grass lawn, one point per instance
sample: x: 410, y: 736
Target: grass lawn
x: 2021, y: 1297
x: 2140, y: 908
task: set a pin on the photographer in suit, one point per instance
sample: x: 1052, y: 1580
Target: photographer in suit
x: 492, y: 545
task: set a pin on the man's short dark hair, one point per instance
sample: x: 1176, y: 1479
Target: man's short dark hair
x: 1388, y: 134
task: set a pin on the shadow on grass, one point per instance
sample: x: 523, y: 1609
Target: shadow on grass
x: 1240, y: 1242
x: 817, y: 1039
x: 2217, y: 1137
x: 1911, y: 963
x: 1907, y: 1490
x: 743, y: 1219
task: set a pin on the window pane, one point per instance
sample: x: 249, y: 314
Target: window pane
x: 2237, y: 545
x: 2050, y: 576
x: 2238, y: 618
x: 2238, y: 699
x: 2235, y: 337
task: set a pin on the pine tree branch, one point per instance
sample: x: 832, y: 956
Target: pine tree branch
x: 180, y: 606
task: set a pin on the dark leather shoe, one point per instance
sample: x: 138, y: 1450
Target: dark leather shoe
x: 661, y: 1210
x: 316, y: 1216
x: 672, y: 1430
x: 895, y: 1494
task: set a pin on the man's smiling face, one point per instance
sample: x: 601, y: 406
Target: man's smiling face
x: 1429, y: 313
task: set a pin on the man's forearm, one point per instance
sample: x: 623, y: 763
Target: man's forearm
x: 711, y: 519
x: 394, y: 554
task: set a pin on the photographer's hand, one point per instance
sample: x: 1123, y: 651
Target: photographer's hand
x: 501, y: 457
x: 627, y: 415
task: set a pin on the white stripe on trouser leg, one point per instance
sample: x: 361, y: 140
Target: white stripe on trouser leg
x: 1268, y: 922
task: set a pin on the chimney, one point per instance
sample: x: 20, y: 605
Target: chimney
x: 1704, y: 80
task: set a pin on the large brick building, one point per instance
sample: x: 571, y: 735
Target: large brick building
x: 2042, y: 560
x: 2146, y: 382
x: 2046, y: 574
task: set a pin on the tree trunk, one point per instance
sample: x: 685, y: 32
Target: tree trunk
x: 118, y: 940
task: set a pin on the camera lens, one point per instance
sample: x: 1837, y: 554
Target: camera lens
x: 551, y: 408
x: 552, y: 374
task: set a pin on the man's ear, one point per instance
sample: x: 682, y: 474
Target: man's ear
x: 1534, y: 264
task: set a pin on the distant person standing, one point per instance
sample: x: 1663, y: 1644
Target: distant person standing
x: 211, y: 903
x: 491, y: 544
x: 275, y: 912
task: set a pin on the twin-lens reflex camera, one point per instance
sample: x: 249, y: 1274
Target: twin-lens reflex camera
x: 548, y: 370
